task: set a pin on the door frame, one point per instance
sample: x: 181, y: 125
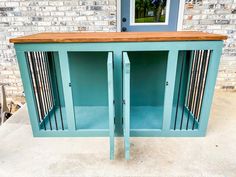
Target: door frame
x: 180, y: 15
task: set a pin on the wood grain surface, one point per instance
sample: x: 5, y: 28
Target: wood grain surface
x: 118, y: 37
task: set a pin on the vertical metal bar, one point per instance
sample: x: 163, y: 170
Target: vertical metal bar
x: 50, y: 86
x: 205, y: 78
x: 38, y: 71
x: 37, y: 88
x: 57, y: 89
x: 29, y: 60
x: 180, y: 85
x: 196, y: 86
x: 192, y: 87
x: 53, y: 105
x: 206, y: 61
x: 32, y: 59
x: 45, y: 90
x: 197, y: 83
x: 191, y: 77
x: 202, y: 61
x: 39, y: 82
x: 29, y: 63
x: 194, y: 83
x: 47, y: 80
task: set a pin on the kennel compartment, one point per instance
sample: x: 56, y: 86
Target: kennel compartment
x: 45, y: 80
x: 68, y: 83
x: 190, y: 82
x: 147, y: 88
x: 89, y: 85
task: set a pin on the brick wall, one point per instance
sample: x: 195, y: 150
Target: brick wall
x: 21, y: 17
x: 217, y: 16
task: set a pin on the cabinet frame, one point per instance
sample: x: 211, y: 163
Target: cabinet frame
x: 117, y: 48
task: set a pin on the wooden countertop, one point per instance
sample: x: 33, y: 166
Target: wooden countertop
x: 118, y: 37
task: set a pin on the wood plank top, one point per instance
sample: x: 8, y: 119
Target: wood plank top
x: 118, y: 37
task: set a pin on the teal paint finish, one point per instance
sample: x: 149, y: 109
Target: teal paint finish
x: 148, y: 77
x: 29, y: 92
x: 53, y: 122
x: 97, y: 80
x: 126, y: 104
x: 147, y: 90
x: 91, y: 117
x: 58, y: 95
x: 120, y: 46
x: 56, y: 72
x: 184, y: 64
x: 118, y: 91
x: 169, y: 91
x: 88, y: 75
x: 210, y: 86
x: 111, y: 106
x: 65, y: 75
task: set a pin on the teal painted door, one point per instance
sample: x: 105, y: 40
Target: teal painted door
x: 126, y: 104
x: 149, y: 15
x: 110, y: 77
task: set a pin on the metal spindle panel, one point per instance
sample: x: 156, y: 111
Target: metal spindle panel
x: 43, y: 76
x: 193, y: 68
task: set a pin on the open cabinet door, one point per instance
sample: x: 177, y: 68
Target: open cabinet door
x: 126, y: 104
x: 111, y: 103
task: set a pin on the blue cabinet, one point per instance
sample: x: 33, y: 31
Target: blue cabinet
x: 128, y: 89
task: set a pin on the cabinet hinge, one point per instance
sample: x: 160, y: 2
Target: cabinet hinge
x: 123, y: 101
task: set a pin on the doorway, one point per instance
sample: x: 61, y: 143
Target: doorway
x: 151, y: 15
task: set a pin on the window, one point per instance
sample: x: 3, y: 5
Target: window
x: 149, y: 12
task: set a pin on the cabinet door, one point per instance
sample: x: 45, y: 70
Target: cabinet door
x: 111, y: 102
x: 126, y: 104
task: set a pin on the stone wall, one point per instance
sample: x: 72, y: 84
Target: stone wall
x: 21, y: 17
x: 216, y: 16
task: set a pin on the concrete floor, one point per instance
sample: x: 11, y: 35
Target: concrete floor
x: 211, y: 156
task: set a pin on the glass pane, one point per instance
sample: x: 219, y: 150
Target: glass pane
x: 150, y: 11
